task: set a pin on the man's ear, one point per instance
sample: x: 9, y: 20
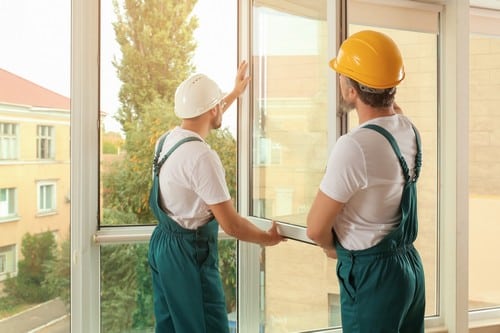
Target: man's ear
x: 352, y: 92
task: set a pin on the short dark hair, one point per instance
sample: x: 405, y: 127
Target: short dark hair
x: 377, y: 98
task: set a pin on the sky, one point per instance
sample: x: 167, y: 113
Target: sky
x: 35, y: 40
x: 37, y: 36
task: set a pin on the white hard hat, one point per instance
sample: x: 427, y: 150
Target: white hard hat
x: 196, y: 95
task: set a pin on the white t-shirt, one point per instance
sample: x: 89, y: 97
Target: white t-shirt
x: 364, y: 173
x: 191, y: 179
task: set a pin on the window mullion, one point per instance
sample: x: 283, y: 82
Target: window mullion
x: 85, y: 312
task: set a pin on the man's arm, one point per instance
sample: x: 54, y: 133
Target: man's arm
x: 236, y: 226
x: 320, y: 221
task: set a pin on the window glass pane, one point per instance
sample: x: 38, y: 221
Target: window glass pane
x: 289, y: 108
x: 137, y: 90
x: 290, y: 132
x: 34, y: 125
x: 299, y: 288
x: 484, y: 170
x: 46, y: 195
x: 44, y: 141
x: 7, y: 203
x: 126, y: 289
x: 417, y: 96
x: 139, y: 74
x: 8, y: 141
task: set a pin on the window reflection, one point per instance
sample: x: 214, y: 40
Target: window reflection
x: 290, y: 131
x: 289, y: 109
x: 484, y: 170
x: 300, y: 289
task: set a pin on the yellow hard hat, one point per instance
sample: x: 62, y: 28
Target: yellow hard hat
x: 370, y: 58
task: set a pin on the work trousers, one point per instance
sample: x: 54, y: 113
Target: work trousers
x: 187, y: 288
x: 382, y: 292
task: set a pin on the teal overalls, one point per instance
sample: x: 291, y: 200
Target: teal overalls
x: 382, y: 288
x: 187, y: 288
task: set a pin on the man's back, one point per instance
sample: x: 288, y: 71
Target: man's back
x: 365, y: 174
x: 191, y: 179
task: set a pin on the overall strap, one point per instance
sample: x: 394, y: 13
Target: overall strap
x: 397, y: 151
x: 157, y: 163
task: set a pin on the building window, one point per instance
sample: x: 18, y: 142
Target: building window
x: 7, y: 203
x: 267, y: 152
x: 7, y: 261
x: 46, y: 197
x: 45, y: 142
x: 3, y: 263
x: 8, y: 141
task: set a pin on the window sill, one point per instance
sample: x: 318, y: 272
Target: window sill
x: 9, y: 219
x: 49, y: 213
x: 484, y: 326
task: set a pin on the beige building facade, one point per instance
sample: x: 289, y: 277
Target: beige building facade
x: 34, y: 166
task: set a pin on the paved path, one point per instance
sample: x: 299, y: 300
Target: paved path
x: 48, y: 317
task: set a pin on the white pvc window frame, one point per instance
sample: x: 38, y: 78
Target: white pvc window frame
x: 86, y: 238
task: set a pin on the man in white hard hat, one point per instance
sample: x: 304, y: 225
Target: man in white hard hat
x: 190, y: 199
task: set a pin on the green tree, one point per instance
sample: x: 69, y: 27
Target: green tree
x: 157, y: 44
x: 57, y: 278
x: 126, y: 301
x: 37, y: 251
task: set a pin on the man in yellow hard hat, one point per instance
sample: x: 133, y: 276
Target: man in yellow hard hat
x: 190, y: 199
x: 365, y: 212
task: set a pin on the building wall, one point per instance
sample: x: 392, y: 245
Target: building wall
x: 25, y: 173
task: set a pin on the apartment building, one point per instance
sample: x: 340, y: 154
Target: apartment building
x: 34, y: 165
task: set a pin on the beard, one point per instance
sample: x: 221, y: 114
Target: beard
x: 345, y: 106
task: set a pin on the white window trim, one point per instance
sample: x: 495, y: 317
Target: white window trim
x: 85, y: 259
x: 453, y: 172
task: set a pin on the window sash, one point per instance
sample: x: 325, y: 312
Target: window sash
x: 45, y: 142
x: 7, y: 202
x: 8, y: 141
x: 46, y: 197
